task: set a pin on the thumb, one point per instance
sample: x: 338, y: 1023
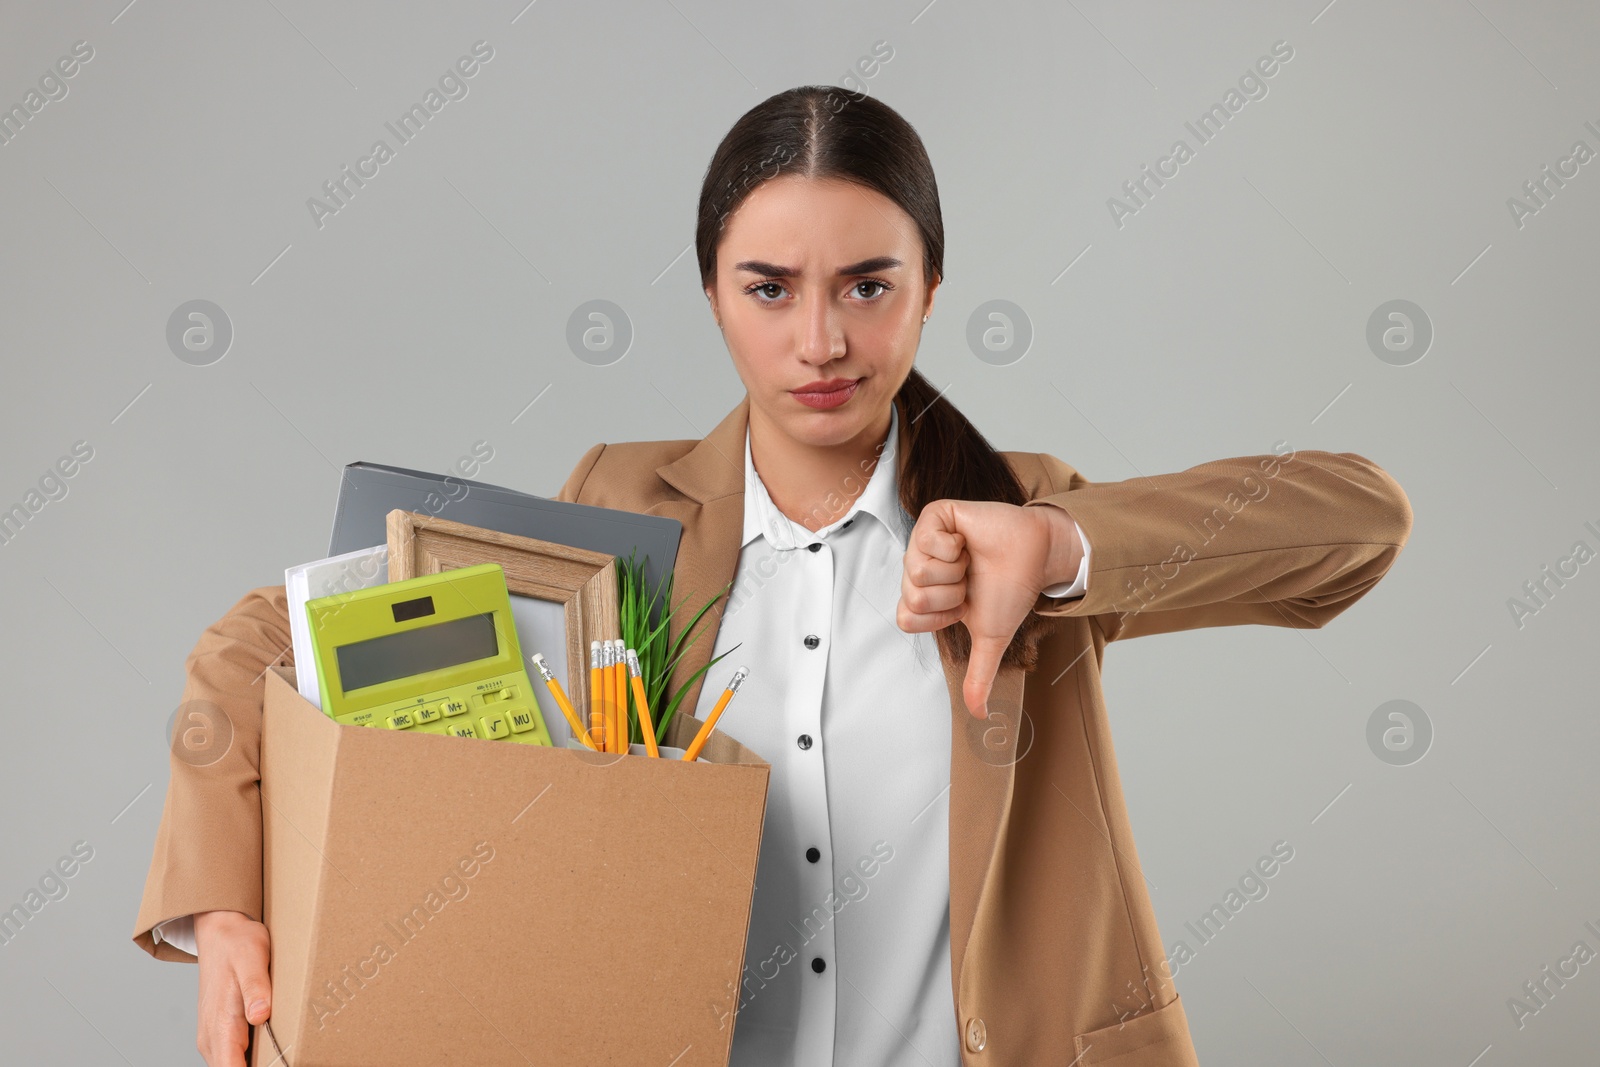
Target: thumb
x: 982, y: 665
x: 256, y: 991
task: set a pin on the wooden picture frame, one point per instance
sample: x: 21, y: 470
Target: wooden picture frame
x: 584, y: 582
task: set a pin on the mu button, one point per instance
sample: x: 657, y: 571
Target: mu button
x: 977, y: 1035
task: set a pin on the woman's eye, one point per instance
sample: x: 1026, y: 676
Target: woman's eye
x: 760, y: 287
x: 880, y: 286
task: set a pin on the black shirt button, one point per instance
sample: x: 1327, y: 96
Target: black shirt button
x: 812, y: 641
x: 804, y: 740
x: 813, y: 854
x: 815, y: 545
x: 847, y: 523
x: 818, y: 964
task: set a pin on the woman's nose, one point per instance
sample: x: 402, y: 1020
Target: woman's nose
x: 822, y: 336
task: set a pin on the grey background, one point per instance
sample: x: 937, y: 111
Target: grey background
x: 1229, y: 313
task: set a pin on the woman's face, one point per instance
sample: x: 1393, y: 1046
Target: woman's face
x: 821, y: 281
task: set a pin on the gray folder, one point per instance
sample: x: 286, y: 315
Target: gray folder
x: 369, y: 491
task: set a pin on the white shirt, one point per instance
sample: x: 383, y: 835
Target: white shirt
x: 868, y: 792
x: 857, y: 731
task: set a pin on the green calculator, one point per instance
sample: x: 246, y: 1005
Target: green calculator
x: 435, y: 654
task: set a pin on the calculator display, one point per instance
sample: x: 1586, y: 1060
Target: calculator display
x: 399, y: 655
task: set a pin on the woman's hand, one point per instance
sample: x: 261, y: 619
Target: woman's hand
x: 983, y: 563
x: 234, y: 988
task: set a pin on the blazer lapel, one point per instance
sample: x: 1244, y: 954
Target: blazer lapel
x: 983, y: 753
x: 711, y: 476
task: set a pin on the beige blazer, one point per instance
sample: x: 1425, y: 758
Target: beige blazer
x: 1055, y: 952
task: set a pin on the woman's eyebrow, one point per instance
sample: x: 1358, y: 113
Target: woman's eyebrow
x: 773, y: 270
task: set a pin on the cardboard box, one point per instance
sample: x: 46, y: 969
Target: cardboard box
x: 437, y: 900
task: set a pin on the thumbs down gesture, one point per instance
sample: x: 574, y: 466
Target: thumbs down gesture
x: 983, y: 563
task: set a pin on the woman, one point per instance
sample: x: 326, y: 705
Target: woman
x: 947, y: 872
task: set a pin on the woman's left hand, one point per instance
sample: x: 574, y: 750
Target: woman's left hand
x: 983, y: 563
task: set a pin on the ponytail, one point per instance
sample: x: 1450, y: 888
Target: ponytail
x: 948, y: 459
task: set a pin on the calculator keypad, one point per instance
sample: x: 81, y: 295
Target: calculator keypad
x: 500, y: 714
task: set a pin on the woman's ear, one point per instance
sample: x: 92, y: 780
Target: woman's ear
x: 927, y: 300
x: 711, y: 298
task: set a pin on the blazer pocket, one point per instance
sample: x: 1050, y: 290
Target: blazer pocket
x: 1158, y: 1038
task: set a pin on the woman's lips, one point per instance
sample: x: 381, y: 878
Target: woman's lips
x: 828, y: 399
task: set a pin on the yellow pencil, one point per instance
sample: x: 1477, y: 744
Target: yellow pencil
x: 561, y: 701
x: 619, y: 699
x: 608, y: 683
x: 608, y: 699
x: 597, y: 723
x: 693, y: 751
x: 647, y: 723
x: 619, y: 688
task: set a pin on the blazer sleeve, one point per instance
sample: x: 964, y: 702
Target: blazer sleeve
x: 208, y: 846
x: 1288, y: 539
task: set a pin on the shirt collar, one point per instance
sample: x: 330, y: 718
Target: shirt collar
x: 880, y: 499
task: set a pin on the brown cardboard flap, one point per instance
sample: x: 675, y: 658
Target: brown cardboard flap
x: 719, y: 747
x: 438, y: 900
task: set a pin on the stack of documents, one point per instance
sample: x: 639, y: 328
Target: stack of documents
x: 343, y: 573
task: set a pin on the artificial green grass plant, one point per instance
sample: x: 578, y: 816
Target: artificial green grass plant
x: 657, y: 656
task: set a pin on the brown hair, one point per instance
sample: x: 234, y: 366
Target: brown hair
x: 819, y: 131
